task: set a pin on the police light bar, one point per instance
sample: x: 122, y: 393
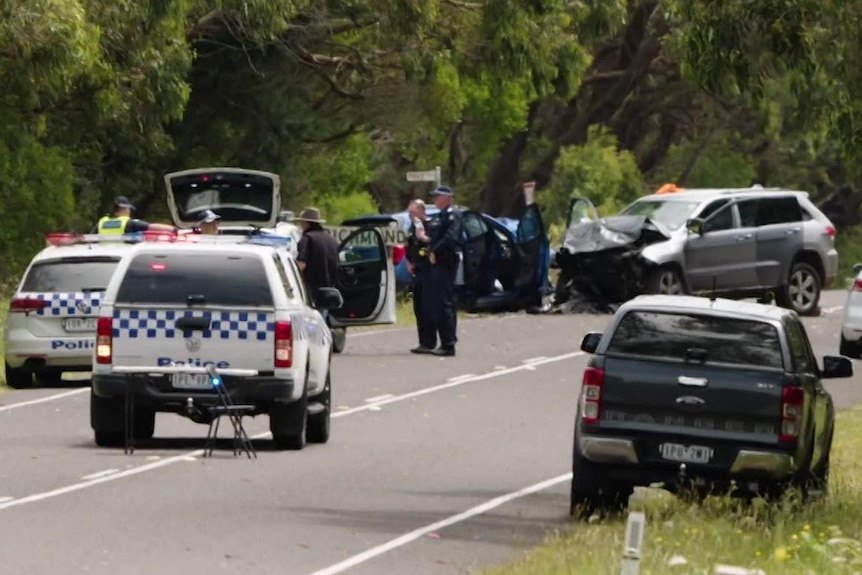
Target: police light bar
x: 65, y: 238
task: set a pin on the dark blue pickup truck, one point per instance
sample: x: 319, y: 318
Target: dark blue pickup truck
x: 702, y: 396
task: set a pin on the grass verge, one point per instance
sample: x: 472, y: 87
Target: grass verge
x: 823, y: 537
x: 849, y: 246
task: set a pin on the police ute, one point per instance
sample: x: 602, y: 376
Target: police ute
x: 186, y: 312
x: 51, y: 324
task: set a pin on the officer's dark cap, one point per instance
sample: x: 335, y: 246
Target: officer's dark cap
x: 443, y: 191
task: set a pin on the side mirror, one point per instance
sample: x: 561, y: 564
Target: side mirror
x: 857, y: 268
x: 590, y: 343
x: 328, y: 298
x: 695, y: 226
x: 835, y: 366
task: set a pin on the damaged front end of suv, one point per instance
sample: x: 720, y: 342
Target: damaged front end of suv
x: 606, y: 261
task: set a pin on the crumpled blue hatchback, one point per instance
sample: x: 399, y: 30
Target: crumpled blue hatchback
x: 505, y: 264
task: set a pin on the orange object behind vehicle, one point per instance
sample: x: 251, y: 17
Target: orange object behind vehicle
x: 669, y: 189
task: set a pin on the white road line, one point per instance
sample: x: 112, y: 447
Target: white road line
x: 833, y: 309
x: 460, y: 377
x: 534, y: 359
x: 44, y: 399
x: 378, y: 398
x: 5, y: 499
x: 198, y: 452
x: 449, y: 521
x: 99, y: 474
x: 451, y: 384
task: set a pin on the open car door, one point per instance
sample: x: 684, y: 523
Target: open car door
x: 533, y: 254
x: 479, y: 256
x: 366, y: 280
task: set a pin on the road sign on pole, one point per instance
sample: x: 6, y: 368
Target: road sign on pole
x: 427, y: 176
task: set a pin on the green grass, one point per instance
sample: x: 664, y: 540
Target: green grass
x: 849, y: 246
x: 782, y: 539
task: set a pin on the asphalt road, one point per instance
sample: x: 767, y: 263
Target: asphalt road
x: 435, y: 466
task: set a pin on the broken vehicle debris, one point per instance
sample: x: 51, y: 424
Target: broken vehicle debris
x: 600, y: 260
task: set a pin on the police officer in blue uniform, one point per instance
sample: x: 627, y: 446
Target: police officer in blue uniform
x: 444, y: 232
x: 418, y: 264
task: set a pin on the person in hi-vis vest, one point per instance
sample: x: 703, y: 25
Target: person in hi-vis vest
x: 123, y: 223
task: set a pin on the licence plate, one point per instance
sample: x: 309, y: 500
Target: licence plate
x: 686, y: 453
x: 79, y: 324
x: 191, y: 381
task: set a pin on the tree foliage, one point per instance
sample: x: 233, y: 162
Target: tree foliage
x: 342, y: 97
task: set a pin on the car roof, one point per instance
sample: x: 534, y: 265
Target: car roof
x: 706, y: 306
x: 207, y: 246
x: 704, y: 194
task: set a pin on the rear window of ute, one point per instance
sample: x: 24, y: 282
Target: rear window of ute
x: 691, y: 337
x: 206, y: 279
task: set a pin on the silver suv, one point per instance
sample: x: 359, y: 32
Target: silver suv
x: 735, y: 242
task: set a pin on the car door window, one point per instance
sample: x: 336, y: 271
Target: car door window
x: 718, y: 216
x: 769, y: 211
x: 799, y: 349
x: 288, y: 287
x: 299, y: 280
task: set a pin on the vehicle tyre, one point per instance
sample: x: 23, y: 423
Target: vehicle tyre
x: 287, y: 422
x: 665, y: 281
x: 802, y: 292
x: 318, y: 424
x: 850, y: 348
x: 591, y: 492
x: 49, y: 377
x: 339, y: 339
x: 18, y: 378
x: 108, y: 422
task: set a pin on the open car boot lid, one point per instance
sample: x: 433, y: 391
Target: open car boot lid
x: 241, y: 197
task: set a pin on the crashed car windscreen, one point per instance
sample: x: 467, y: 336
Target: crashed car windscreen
x: 672, y: 214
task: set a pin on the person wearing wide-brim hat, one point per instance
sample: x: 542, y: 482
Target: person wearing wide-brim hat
x: 317, y: 252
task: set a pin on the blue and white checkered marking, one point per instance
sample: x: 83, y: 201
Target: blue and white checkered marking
x: 225, y: 325
x: 67, y: 304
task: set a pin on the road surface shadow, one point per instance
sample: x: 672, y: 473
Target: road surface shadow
x: 180, y: 445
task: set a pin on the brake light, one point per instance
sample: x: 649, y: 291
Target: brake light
x: 27, y: 304
x: 792, y: 404
x: 283, y: 344
x: 591, y: 394
x: 398, y: 253
x: 857, y: 285
x: 830, y: 231
x: 104, y: 340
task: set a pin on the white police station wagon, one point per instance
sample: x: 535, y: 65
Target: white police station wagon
x: 51, y: 324
x: 187, y: 302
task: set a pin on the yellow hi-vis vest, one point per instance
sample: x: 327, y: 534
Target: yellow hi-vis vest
x: 113, y: 226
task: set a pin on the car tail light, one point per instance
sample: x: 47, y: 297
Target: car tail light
x: 830, y: 231
x: 27, y: 304
x: 792, y: 404
x: 104, y: 340
x: 857, y: 285
x: 591, y: 394
x: 398, y: 253
x: 283, y: 344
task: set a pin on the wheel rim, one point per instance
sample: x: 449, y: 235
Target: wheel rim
x: 669, y: 284
x: 802, y: 289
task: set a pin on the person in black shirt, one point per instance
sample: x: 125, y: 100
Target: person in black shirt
x: 317, y: 255
x: 424, y: 302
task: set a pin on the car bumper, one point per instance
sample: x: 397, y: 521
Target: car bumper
x: 22, y: 349
x: 156, y: 391
x: 748, y: 462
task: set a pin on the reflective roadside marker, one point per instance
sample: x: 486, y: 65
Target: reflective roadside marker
x: 633, y: 542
